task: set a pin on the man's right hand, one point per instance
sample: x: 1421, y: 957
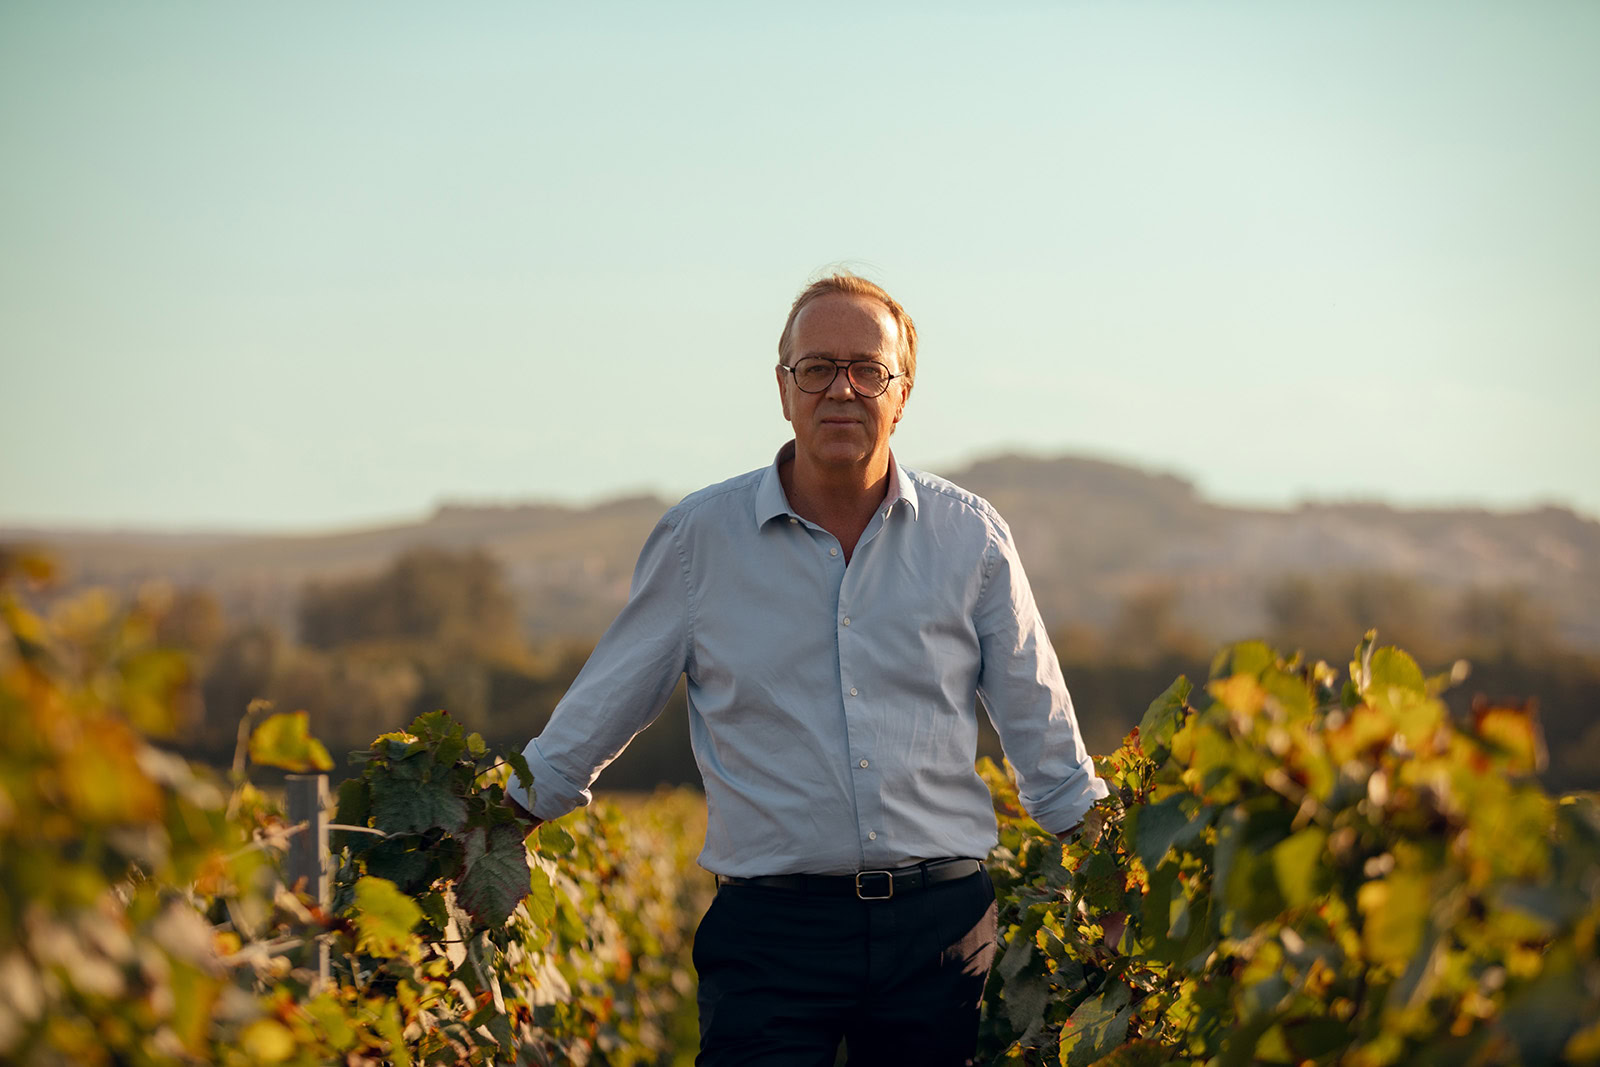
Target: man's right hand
x: 530, y: 821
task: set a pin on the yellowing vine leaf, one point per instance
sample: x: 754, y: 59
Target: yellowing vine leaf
x: 285, y: 740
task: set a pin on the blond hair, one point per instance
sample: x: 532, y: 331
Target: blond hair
x: 855, y: 285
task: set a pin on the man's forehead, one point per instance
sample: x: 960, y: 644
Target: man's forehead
x: 839, y: 317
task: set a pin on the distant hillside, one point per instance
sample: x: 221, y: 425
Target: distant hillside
x: 1092, y: 534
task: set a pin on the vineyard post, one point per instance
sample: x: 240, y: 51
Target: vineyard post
x: 307, y: 796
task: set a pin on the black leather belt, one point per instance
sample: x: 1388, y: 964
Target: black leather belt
x: 867, y: 885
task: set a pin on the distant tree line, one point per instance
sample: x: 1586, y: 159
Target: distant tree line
x: 438, y: 629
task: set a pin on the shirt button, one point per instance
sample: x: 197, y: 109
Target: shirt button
x: 863, y: 763
x: 847, y: 620
x: 833, y: 551
x: 794, y: 522
x: 852, y: 690
x: 872, y: 835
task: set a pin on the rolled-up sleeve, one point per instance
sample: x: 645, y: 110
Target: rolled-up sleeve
x: 622, y: 688
x: 1020, y: 684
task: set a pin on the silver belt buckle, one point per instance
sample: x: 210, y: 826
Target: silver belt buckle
x: 888, y: 881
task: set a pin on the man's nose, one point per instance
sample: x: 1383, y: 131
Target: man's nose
x: 840, y: 388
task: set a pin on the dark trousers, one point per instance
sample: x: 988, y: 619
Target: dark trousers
x: 784, y: 976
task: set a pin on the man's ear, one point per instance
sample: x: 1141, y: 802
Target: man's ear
x: 900, y: 409
x: 783, y: 392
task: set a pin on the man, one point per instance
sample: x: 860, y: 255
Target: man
x: 837, y: 615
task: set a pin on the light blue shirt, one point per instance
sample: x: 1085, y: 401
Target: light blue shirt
x: 832, y: 708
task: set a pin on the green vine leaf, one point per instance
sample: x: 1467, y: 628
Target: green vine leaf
x: 497, y: 875
x: 1096, y: 1027
x: 554, y: 841
x: 541, y: 902
x: 1162, y: 718
x: 401, y: 806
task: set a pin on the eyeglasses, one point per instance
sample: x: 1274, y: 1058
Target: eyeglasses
x: 814, y: 374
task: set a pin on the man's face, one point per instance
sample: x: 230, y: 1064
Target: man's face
x: 839, y: 427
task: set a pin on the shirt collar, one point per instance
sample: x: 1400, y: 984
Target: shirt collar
x: 771, y: 503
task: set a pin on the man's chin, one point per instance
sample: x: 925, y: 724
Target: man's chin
x: 836, y: 454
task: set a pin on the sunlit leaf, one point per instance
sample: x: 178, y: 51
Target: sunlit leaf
x: 1164, y: 715
x: 449, y: 750
x: 541, y: 899
x: 284, y: 740
x: 1298, y: 863
x: 1097, y: 1026
x: 1515, y: 736
x: 1392, y: 668
x: 554, y: 841
x: 1248, y: 658
x: 519, y: 765
x: 434, y: 725
x: 331, y: 1022
x: 1241, y: 692
x: 267, y: 1041
x: 389, y: 1026
x: 103, y: 781
x: 151, y: 680
x: 1395, y: 913
x: 384, y: 917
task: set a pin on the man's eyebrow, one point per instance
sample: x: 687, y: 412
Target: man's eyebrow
x: 852, y: 358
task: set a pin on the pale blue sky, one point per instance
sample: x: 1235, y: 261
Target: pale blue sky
x: 307, y: 265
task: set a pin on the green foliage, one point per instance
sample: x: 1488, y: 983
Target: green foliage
x: 101, y: 960
x: 144, y: 920
x: 1295, y: 865
x: 1303, y: 871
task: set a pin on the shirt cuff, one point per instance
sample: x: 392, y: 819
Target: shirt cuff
x: 1065, y: 808
x: 554, y: 795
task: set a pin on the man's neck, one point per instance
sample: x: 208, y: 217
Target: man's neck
x: 839, y: 499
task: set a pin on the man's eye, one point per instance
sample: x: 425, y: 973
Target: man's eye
x: 868, y: 376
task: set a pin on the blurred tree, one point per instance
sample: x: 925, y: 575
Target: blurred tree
x: 242, y: 670
x: 1317, y: 614
x: 351, y: 694
x: 456, y: 600
x: 194, y: 622
x: 1148, y: 629
x: 1078, y: 641
x: 1506, y: 623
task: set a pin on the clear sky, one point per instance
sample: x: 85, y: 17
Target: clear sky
x: 306, y: 265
